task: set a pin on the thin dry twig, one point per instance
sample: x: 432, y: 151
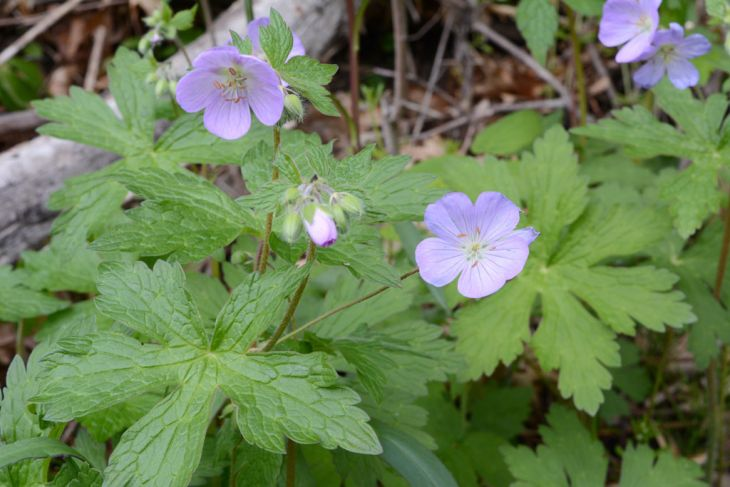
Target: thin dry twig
x: 400, y: 37
x: 19, y: 121
x: 208, y: 19
x: 97, y: 50
x: 435, y: 70
x: 489, y: 110
x: 602, y: 71
x: 523, y: 56
x: 48, y: 20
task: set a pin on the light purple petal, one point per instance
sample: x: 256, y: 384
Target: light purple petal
x: 693, y: 46
x: 217, y: 58
x: 322, y: 230
x: 297, y: 47
x: 479, y: 280
x: 450, y: 217
x: 495, y: 216
x: 650, y: 5
x: 650, y: 73
x: 618, y: 23
x: 634, y: 48
x: 439, y: 261
x: 682, y: 73
x: 262, y: 88
x: 507, y: 256
x: 226, y: 119
x: 196, y: 90
x: 527, y: 234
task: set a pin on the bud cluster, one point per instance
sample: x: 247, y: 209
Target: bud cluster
x: 164, y: 25
x: 320, y: 209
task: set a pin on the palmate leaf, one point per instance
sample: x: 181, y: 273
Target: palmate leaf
x: 275, y: 395
x: 18, y: 302
x: 585, y: 300
x: 183, y: 216
x: 569, y: 456
x: 692, y: 194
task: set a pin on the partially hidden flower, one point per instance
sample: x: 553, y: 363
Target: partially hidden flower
x: 252, y: 31
x: 631, y: 23
x: 228, y: 85
x: 320, y: 226
x: 476, y: 242
x: 669, y: 54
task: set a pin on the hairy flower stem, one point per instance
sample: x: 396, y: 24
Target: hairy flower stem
x: 580, y: 79
x: 182, y: 49
x: 343, y: 307
x: 292, y: 304
x: 291, y: 463
x: 354, y: 73
x: 716, y: 386
x: 266, y: 249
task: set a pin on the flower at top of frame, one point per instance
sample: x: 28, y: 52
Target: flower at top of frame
x: 476, y: 242
x: 228, y: 85
x: 669, y: 53
x: 631, y: 23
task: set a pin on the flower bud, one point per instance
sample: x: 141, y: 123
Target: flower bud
x: 339, y: 215
x: 144, y: 45
x: 291, y: 195
x: 293, y: 107
x: 160, y: 87
x: 290, y: 227
x: 350, y: 203
x: 320, y: 226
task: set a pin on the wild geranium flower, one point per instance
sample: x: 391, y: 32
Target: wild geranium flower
x: 228, y: 85
x: 631, y: 23
x: 670, y: 53
x: 478, y: 241
x: 253, y: 34
x: 320, y: 227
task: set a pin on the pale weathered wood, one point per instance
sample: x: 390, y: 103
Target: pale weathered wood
x: 31, y: 171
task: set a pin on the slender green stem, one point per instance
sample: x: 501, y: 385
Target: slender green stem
x: 343, y: 307
x: 182, y: 49
x: 292, y: 304
x: 248, y: 7
x: 266, y: 249
x: 659, y: 378
x: 354, y: 73
x: 351, y: 128
x: 291, y: 463
x: 715, y: 390
x: 19, y: 346
x: 580, y: 78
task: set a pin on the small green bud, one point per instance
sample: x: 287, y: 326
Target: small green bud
x: 308, y: 212
x: 291, y: 226
x: 291, y: 195
x: 293, y: 107
x: 339, y: 215
x: 350, y: 203
x: 160, y: 87
x: 172, y: 87
x: 144, y: 45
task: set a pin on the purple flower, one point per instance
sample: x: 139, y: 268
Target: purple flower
x: 322, y: 229
x: 629, y: 22
x: 228, y: 85
x: 253, y: 34
x: 478, y: 241
x: 670, y: 53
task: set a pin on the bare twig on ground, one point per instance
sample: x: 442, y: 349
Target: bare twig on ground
x: 600, y: 68
x: 97, y: 50
x: 523, y: 56
x: 400, y: 37
x: 19, y: 121
x: 435, y: 70
x: 208, y: 19
x: 48, y: 20
x: 33, y: 19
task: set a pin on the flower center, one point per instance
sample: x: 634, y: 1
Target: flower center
x: 473, y: 247
x: 667, y: 52
x: 233, y: 89
x: 644, y: 23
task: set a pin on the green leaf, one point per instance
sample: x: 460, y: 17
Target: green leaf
x: 183, y: 20
x: 276, y: 40
x: 151, y: 301
x: 77, y: 474
x: 257, y: 467
x: 568, y: 456
x: 18, y: 302
x: 643, y: 467
x: 538, y: 24
x: 11, y: 453
x: 589, y: 8
x: 413, y: 461
x: 183, y: 215
x: 508, y: 135
x: 308, y: 77
x: 243, y: 45
x: 502, y: 410
x: 269, y: 391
